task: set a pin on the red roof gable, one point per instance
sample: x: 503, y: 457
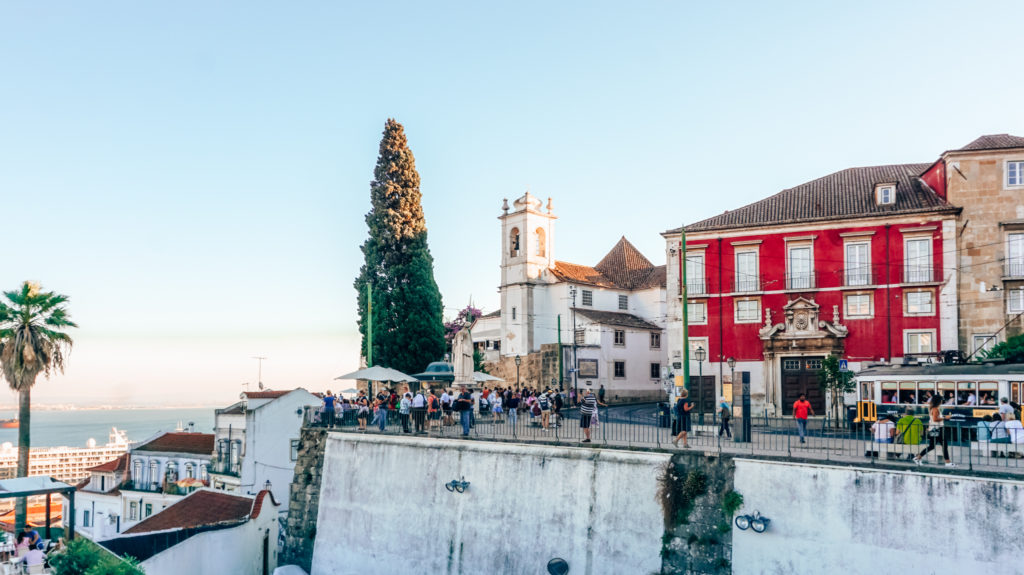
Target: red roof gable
x: 119, y: 464
x: 266, y: 394
x: 202, y: 508
x: 179, y: 442
x: 624, y: 267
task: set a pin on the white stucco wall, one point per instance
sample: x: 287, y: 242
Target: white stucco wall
x: 597, y: 509
x: 831, y: 519
x: 238, y: 551
x: 269, y: 431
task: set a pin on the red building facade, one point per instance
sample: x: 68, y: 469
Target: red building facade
x: 855, y: 264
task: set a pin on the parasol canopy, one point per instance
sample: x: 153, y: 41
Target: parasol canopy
x: 378, y: 373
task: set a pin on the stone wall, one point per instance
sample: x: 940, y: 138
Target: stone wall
x: 537, y: 369
x: 304, y: 501
x: 989, y: 212
x: 698, y: 523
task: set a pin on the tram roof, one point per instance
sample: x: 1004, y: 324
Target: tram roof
x: 942, y: 369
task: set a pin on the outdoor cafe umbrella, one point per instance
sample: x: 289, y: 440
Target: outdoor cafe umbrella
x: 190, y: 482
x: 480, y: 377
x: 378, y: 373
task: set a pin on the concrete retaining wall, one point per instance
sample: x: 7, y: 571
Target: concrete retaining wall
x: 384, y: 508
x: 831, y: 519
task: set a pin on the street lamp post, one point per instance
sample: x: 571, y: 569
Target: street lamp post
x: 699, y: 355
x: 519, y: 360
x: 575, y: 361
x: 732, y: 368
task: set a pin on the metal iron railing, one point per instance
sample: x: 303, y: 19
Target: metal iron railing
x: 769, y: 436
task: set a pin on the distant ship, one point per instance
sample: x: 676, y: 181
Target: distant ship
x: 64, y: 463
x: 8, y: 423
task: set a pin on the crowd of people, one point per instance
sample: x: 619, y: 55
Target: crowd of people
x: 425, y: 410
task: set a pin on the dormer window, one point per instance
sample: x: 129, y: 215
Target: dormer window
x: 885, y: 194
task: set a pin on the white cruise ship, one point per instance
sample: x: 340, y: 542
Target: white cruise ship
x: 68, y: 464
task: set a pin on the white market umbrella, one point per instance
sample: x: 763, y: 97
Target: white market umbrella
x: 378, y: 373
x: 481, y: 377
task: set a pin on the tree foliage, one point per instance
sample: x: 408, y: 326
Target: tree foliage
x: 32, y: 342
x: 1012, y: 350
x: 835, y: 383
x: 464, y: 318
x: 407, y: 324
x: 83, y: 557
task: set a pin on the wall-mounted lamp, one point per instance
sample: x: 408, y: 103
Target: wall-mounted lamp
x: 756, y: 522
x: 460, y: 485
x: 558, y: 566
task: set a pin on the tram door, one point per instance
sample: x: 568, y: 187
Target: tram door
x: 800, y: 375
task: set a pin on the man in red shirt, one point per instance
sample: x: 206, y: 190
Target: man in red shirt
x: 801, y: 407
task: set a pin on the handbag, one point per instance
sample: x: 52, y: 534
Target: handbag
x: 934, y: 432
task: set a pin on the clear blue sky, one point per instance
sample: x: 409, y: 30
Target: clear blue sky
x: 195, y: 174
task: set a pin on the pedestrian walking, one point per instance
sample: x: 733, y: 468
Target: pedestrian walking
x: 382, y: 408
x: 936, y: 423
x: 362, y: 410
x: 801, y: 407
x: 683, y: 407
x: 588, y: 413
x: 600, y: 394
x: 513, y: 408
x: 544, y: 401
x: 433, y: 411
x: 725, y: 414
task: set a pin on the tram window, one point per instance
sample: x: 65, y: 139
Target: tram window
x: 947, y: 389
x: 1015, y: 391
x: 965, y: 393
x: 889, y: 392
x: 925, y: 391
x: 867, y: 391
x: 988, y: 392
x: 908, y: 392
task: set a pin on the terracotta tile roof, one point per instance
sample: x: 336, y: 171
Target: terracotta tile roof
x: 616, y: 319
x: 576, y: 273
x: 236, y: 409
x: 624, y: 267
x: 258, y: 504
x: 994, y: 142
x: 267, y: 394
x: 180, y: 442
x: 845, y: 194
x: 199, y: 509
x: 495, y: 313
x: 119, y: 464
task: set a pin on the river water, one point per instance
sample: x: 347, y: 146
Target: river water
x: 74, y: 428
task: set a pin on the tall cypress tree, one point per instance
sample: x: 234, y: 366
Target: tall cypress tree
x: 408, y: 332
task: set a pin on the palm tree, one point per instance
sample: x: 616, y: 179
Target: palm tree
x: 31, y: 342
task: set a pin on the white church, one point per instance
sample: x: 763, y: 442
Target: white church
x: 618, y: 307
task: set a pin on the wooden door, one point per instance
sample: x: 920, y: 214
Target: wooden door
x: 800, y: 375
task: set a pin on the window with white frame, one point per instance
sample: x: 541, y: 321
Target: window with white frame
x: 747, y: 311
x: 190, y: 471
x: 620, y: 337
x: 858, y: 264
x: 695, y: 284
x: 1015, y: 173
x: 149, y: 509
x: 513, y: 313
x: 918, y: 260
x: 1015, y: 255
x: 580, y: 337
x: 85, y: 518
x: 858, y: 305
x: 655, y: 340
x: 695, y: 343
x: 920, y: 303
x: 1015, y: 300
x: 799, y: 267
x: 620, y: 369
x: 696, y: 312
x: 294, y: 449
x: 137, y: 472
x: 623, y: 302
x: 920, y: 342
x: 588, y: 297
x: 982, y: 342
x: 886, y: 194
x: 133, y: 510
x: 746, y: 271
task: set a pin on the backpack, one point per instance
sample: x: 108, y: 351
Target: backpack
x: 536, y: 409
x: 543, y: 401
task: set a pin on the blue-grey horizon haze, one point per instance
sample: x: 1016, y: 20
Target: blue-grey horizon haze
x: 196, y: 175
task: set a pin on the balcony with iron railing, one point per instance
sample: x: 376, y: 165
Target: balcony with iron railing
x: 746, y: 284
x: 694, y: 287
x: 862, y: 276
x: 920, y: 274
x: 1013, y: 269
x: 802, y: 281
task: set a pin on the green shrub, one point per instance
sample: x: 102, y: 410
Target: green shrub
x: 83, y: 557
